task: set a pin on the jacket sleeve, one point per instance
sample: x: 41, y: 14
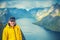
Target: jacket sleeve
x: 4, y: 35
x: 20, y: 34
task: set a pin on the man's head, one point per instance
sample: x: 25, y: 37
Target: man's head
x: 12, y: 21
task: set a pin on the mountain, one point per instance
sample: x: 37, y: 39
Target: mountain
x: 33, y: 11
x: 5, y: 13
x: 52, y: 20
x: 2, y: 20
x: 19, y: 13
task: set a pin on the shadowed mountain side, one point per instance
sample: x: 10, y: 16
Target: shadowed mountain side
x: 50, y: 23
x: 1, y: 29
x: 19, y: 13
x: 52, y: 20
x: 33, y: 11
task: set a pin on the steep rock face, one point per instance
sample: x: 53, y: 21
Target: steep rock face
x: 50, y: 23
x: 52, y: 20
x: 2, y: 21
x: 19, y: 13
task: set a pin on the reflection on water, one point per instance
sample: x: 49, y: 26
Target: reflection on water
x: 34, y: 32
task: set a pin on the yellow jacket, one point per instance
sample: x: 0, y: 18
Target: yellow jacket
x: 10, y: 33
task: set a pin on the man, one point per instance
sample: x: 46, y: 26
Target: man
x: 12, y: 31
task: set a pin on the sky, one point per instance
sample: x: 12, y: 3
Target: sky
x: 26, y: 4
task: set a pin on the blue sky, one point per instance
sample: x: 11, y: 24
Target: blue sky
x: 27, y: 4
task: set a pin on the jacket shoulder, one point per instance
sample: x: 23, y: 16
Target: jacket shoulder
x: 5, y: 28
x: 18, y: 27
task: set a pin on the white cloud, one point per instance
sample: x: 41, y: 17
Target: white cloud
x: 26, y: 4
x: 43, y: 3
x: 29, y: 4
x: 3, y: 5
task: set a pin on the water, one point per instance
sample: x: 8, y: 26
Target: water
x: 35, y: 32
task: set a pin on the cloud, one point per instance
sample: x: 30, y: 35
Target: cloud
x: 3, y: 4
x: 29, y: 4
x: 26, y: 4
